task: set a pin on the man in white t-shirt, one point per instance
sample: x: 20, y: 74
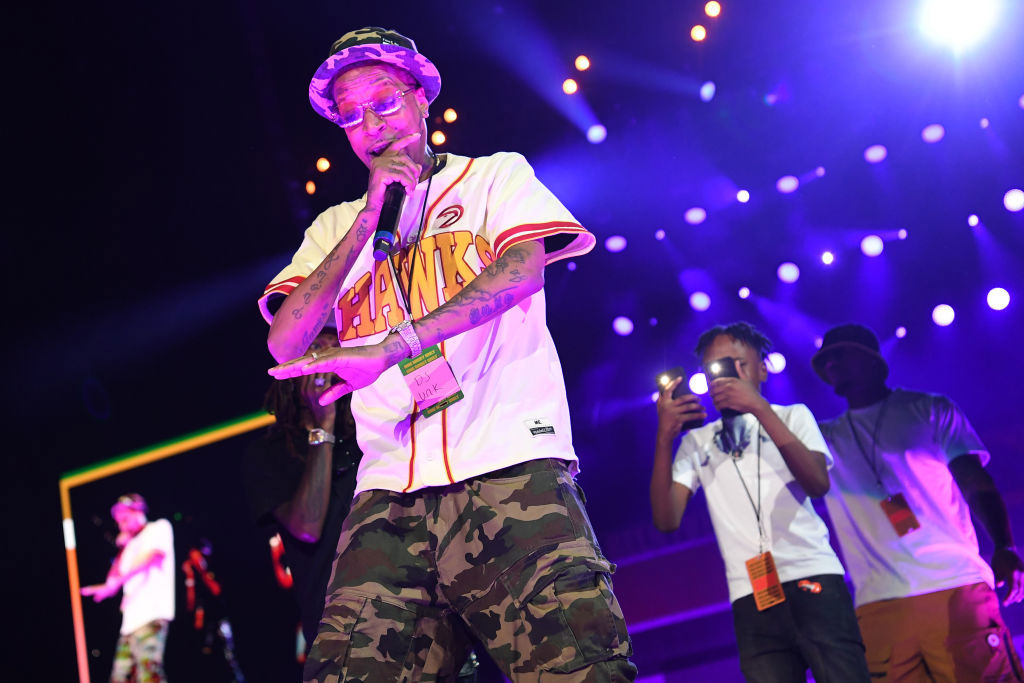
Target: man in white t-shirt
x: 467, y: 522
x: 760, y: 464
x: 909, y: 473
x: 144, y: 570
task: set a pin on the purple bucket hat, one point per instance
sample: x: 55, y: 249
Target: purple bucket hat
x: 365, y: 44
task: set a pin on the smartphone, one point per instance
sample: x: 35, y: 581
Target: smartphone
x: 681, y: 389
x: 722, y: 367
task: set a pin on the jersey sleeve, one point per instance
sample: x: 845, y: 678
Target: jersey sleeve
x: 160, y: 536
x: 520, y: 208
x: 804, y: 426
x: 685, y: 466
x: 954, y: 431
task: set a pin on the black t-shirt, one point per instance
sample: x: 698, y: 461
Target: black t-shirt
x: 271, y: 474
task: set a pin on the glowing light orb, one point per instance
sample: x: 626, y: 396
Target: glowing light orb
x: 695, y: 215
x: 659, y: 234
x: 623, y: 326
x: 776, y: 362
x: 984, y: 123
x: 571, y: 266
x: 1013, y: 200
x: 933, y: 133
x: 582, y: 63
x: 902, y: 233
x: 707, y: 91
x: 652, y: 322
x: 698, y: 33
x: 787, y: 184
x: 875, y: 154
x: 1021, y: 101
x: 828, y: 258
x: 654, y: 396
x: 973, y: 220
x: 310, y: 187
x: 322, y: 164
x: 615, y: 243
x: 998, y: 298
x: 943, y: 314
x: 957, y: 23
x: 438, y: 137
x: 788, y: 272
x: 570, y: 86
x: 698, y: 384
x: 818, y: 341
x: 820, y: 172
x: 743, y: 196
x: 743, y: 293
x: 713, y: 9
x: 597, y: 134
x: 700, y: 301
x: 872, y: 245
x: 450, y: 115
x: 901, y: 332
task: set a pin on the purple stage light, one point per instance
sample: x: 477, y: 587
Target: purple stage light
x: 820, y: 171
x: 875, y: 154
x: 700, y: 301
x: 998, y: 298
x: 743, y: 196
x: 695, y: 215
x: 933, y: 133
x: 956, y: 23
x: 707, y: 91
x: 659, y: 235
x: 744, y: 293
x: 615, y: 243
x: 571, y: 265
x: 698, y: 383
x: 654, y: 396
x: 943, y: 315
x: 872, y: 245
x: 984, y: 122
x: 901, y: 332
x: 788, y: 272
x: 1013, y: 200
x: 828, y: 258
x: 787, y: 184
x: 652, y: 322
x: 776, y: 362
x: 818, y: 341
x: 623, y: 326
x: 1021, y: 101
x: 972, y: 220
x: 597, y: 134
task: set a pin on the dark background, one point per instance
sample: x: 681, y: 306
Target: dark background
x: 157, y: 156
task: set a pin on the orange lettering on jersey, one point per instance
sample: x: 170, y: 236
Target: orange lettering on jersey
x: 386, y: 311
x: 423, y: 293
x: 354, y: 306
x: 453, y: 247
x: 483, y: 250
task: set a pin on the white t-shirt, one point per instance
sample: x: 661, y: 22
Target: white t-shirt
x: 795, y: 534
x: 148, y: 595
x: 918, y: 435
x: 515, y: 407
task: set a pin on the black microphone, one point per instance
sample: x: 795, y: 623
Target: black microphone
x: 384, y: 238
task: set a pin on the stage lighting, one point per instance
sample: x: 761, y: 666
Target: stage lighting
x: 659, y: 234
x: 998, y: 298
x: 615, y: 243
x: 700, y: 301
x: 787, y: 184
x: 437, y: 138
x: 788, y: 272
x: 571, y: 266
x: 872, y: 245
x: 957, y: 23
x: 744, y: 293
x: 695, y: 215
x: 828, y: 258
x: 698, y: 383
x: 707, y: 91
x: 322, y: 164
x: 933, y: 133
x: 712, y: 9
x: 819, y: 172
x: 582, y: 63
x: 901, y: 332
x: 743, y: 196
x: 972, y: 221
x: 569, y: 86
x: 875, y: 154
x: 652, y: 322
x: 943, y: 315
x: 450, y: 115
x: 902, y: 233
x: 984, y: 122
x: 1013, y: 200
x: 310, y: 187
x: 698, y: 33
x: 597, y: 134
x: 776, y: 362
x: 818, y: 341
x: 623, y: 326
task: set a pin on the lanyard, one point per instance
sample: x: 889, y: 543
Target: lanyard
x: 871, y: 460
x: 407, y: 295
x: 756, y: 506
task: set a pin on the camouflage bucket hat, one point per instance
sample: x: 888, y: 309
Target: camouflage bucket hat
x: 365, y: 44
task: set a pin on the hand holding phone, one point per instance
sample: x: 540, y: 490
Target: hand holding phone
x: 722, y: 367
x: 681, y: 389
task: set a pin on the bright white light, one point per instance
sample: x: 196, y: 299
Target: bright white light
x: 957, y: 23
x: 707, y: 91
x: 972, y: 221
x: 875, y: 153
x: 872, y: 245
x: 623, y: 326
x: 998, y: 298
x: 943, y: 315
x: 787, y: 184
x: 695, y: 215
x: 933, y: 133
x: 901, y: 332
x: 820, y: 171
x: 700, y: 301
x: 902, y: 233
x: 698, y: 384
x: 744, y: 293
x: 654, y: 396
x: 615, y: 243
x: 597, y: 133
x: 984, y: 122
x: 788, y: 272
x: 1013, y: 200
x: 818, y: 341
x: 776, y: 362
x: 659, y: 234
x: 743, y: 196
x: 828, y: 258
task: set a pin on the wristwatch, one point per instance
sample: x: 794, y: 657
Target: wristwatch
x: 408, y: 333
x: 318, y: 436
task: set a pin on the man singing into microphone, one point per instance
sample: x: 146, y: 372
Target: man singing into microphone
x: 466, y: 518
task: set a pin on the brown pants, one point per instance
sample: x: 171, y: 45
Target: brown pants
x: 955, y: 636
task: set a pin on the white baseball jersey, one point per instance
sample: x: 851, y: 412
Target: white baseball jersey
x: 515, y: 407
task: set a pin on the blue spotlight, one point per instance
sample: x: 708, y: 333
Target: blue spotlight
x: 695, y: 215
x: 787, y: 184
x: 615, y: 243
x: 872, y: 245
x: 698, y: 383
x: 973, y: 220
x: 743, y: 293
x: 901, y: 332
x: 623, y: 326
x: 700, y: 301
x: 597, y: 133
x: 957, y: 23
x: 933, y: 133
x: 943, y: 314
x: 998, y: 298
x: 788, y: 272
x: 875, y: 154
x: 743, y: 196
x: 776, y: 362
x: 707, y: 91
x: 1013, y: 200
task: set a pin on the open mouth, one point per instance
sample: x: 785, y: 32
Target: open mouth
x: 379, y: 149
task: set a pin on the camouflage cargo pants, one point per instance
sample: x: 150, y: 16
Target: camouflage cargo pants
x: 510, y: 556
x: 141, y: 652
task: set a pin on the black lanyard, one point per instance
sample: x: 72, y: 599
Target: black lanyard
x: 756, y: 506
x: 871, y: 460
x: 407, y: 295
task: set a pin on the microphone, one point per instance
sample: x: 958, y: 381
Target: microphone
x: 384, y: 238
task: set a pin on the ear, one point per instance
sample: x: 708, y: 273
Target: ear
x: 421, y: 103
x: 762, y: 371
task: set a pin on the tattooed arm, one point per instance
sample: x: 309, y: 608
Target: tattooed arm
x: 514, y: 276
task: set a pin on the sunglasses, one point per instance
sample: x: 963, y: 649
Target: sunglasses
x: 385, y: 104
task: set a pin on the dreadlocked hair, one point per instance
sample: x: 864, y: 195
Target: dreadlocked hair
x: 740, y: 331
